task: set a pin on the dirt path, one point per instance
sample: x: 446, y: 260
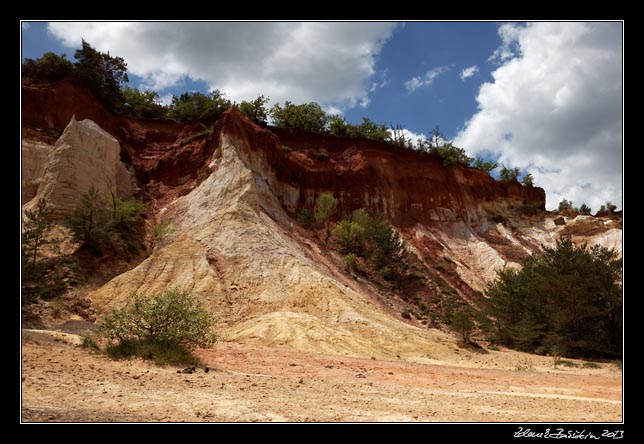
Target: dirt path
x: 63, y: 382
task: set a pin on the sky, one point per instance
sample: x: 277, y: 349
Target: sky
x: 544, y: 96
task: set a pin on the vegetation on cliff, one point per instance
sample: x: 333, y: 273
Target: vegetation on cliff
x: 566, y: 301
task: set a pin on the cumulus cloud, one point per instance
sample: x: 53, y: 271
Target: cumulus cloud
x: 330, y: 63
x: 555, y: 108
x: 469, y: 72
x: 427, y: 79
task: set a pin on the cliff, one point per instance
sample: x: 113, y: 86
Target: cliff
x: 231, y: 195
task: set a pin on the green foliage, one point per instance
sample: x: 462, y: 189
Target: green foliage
x: 397, y: 137
x: 286, y: 149
x: 205, y: 133
x: 338, y: 126
x: 528, y: 180
x: 307, y: 116
x: 172, y: 321
x: 592, y: 365
x: 162, y: 230
x: 350, y: 262
x: 189, y: 107
x: 349, y: 236
x: 126, y: 213
x: 160, y: 354
x: 322, y: 155
x: 256, y: 109
x: 90, y: 222
x: 450, y: 154
x: 36, y: 226
x: 584, y: 209
x: 371, y: 130
x: 50, y: 67
x: 608, y: 208
x: 103, y: 73
x: 485, y: 165
x: 97, y: 223
x: 462, y: 322
x: 142, y: 104
x: 305, y: 218
x: 565, y: 206
x: 385, y: 247
x: 509, y: 174
x: 324, y: 209
x: 567, y: 300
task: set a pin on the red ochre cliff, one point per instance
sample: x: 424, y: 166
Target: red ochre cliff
x: 231, y: 194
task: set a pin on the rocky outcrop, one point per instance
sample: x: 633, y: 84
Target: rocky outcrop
x: 231, y: 195
x: 84, y: 156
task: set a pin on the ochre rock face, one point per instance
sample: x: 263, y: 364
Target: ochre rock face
x: 84, y: 156
x: 231, y: 195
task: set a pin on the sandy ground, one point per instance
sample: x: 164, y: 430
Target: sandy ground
x: 63, y: 382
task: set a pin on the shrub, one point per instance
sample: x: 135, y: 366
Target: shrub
x: 349, y: 236
x: 322, y: 155
x: 591, y: 365
x: 462, y: 322
x: 528, y: 180
x: 324, y: 209
x: 50, y: 67
x: 191, y: 138
x: 90, y: 222
x: 307, y: 116
x: 145, y: 104
x: 306, y: 218
x: 96, y: 224
x: 162, y: 230
x: 286, y: 149
x: 255, y: 110
x: 35, y: 232
x: 192, y: 106
x: 585, y: 209
x: 168, y: 325
x: 350, y: 262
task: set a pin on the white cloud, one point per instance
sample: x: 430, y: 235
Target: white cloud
x: 330, y: 63
x: 426, y: 80
x: 555, y: 108
x: 469, y: 72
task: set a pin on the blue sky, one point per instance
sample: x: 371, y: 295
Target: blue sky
x: 546, y: 97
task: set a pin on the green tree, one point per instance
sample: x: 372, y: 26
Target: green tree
x: 143, y: 104
x: 528, y: 180
x: 103, y: 73
x: 565, y: 206
x: 256, y: 109
x: 90, y: 222
x: 307, y: 116
x: 509, y: 174
x: 36, y: 226
x: 324, y: 209
x: 608, y: 208
x: 50, y: 67
x: 584, y: 209
x: 462, y: 322
x: 189, y: 107
x: 338, y: 126
x: 451, y: 155
x: 170, y: 320
x: 485, y: 165
x: 386, y: 247
x: 371, y: 130
x: 567, y: 300
x: 349, y: 236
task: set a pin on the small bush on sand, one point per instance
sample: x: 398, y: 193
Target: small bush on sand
x: 165, y: 328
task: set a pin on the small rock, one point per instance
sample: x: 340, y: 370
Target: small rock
x: 301, y: 381
x: 206, y: 370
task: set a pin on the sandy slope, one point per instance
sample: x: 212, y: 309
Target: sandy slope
x: 62, y: 382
